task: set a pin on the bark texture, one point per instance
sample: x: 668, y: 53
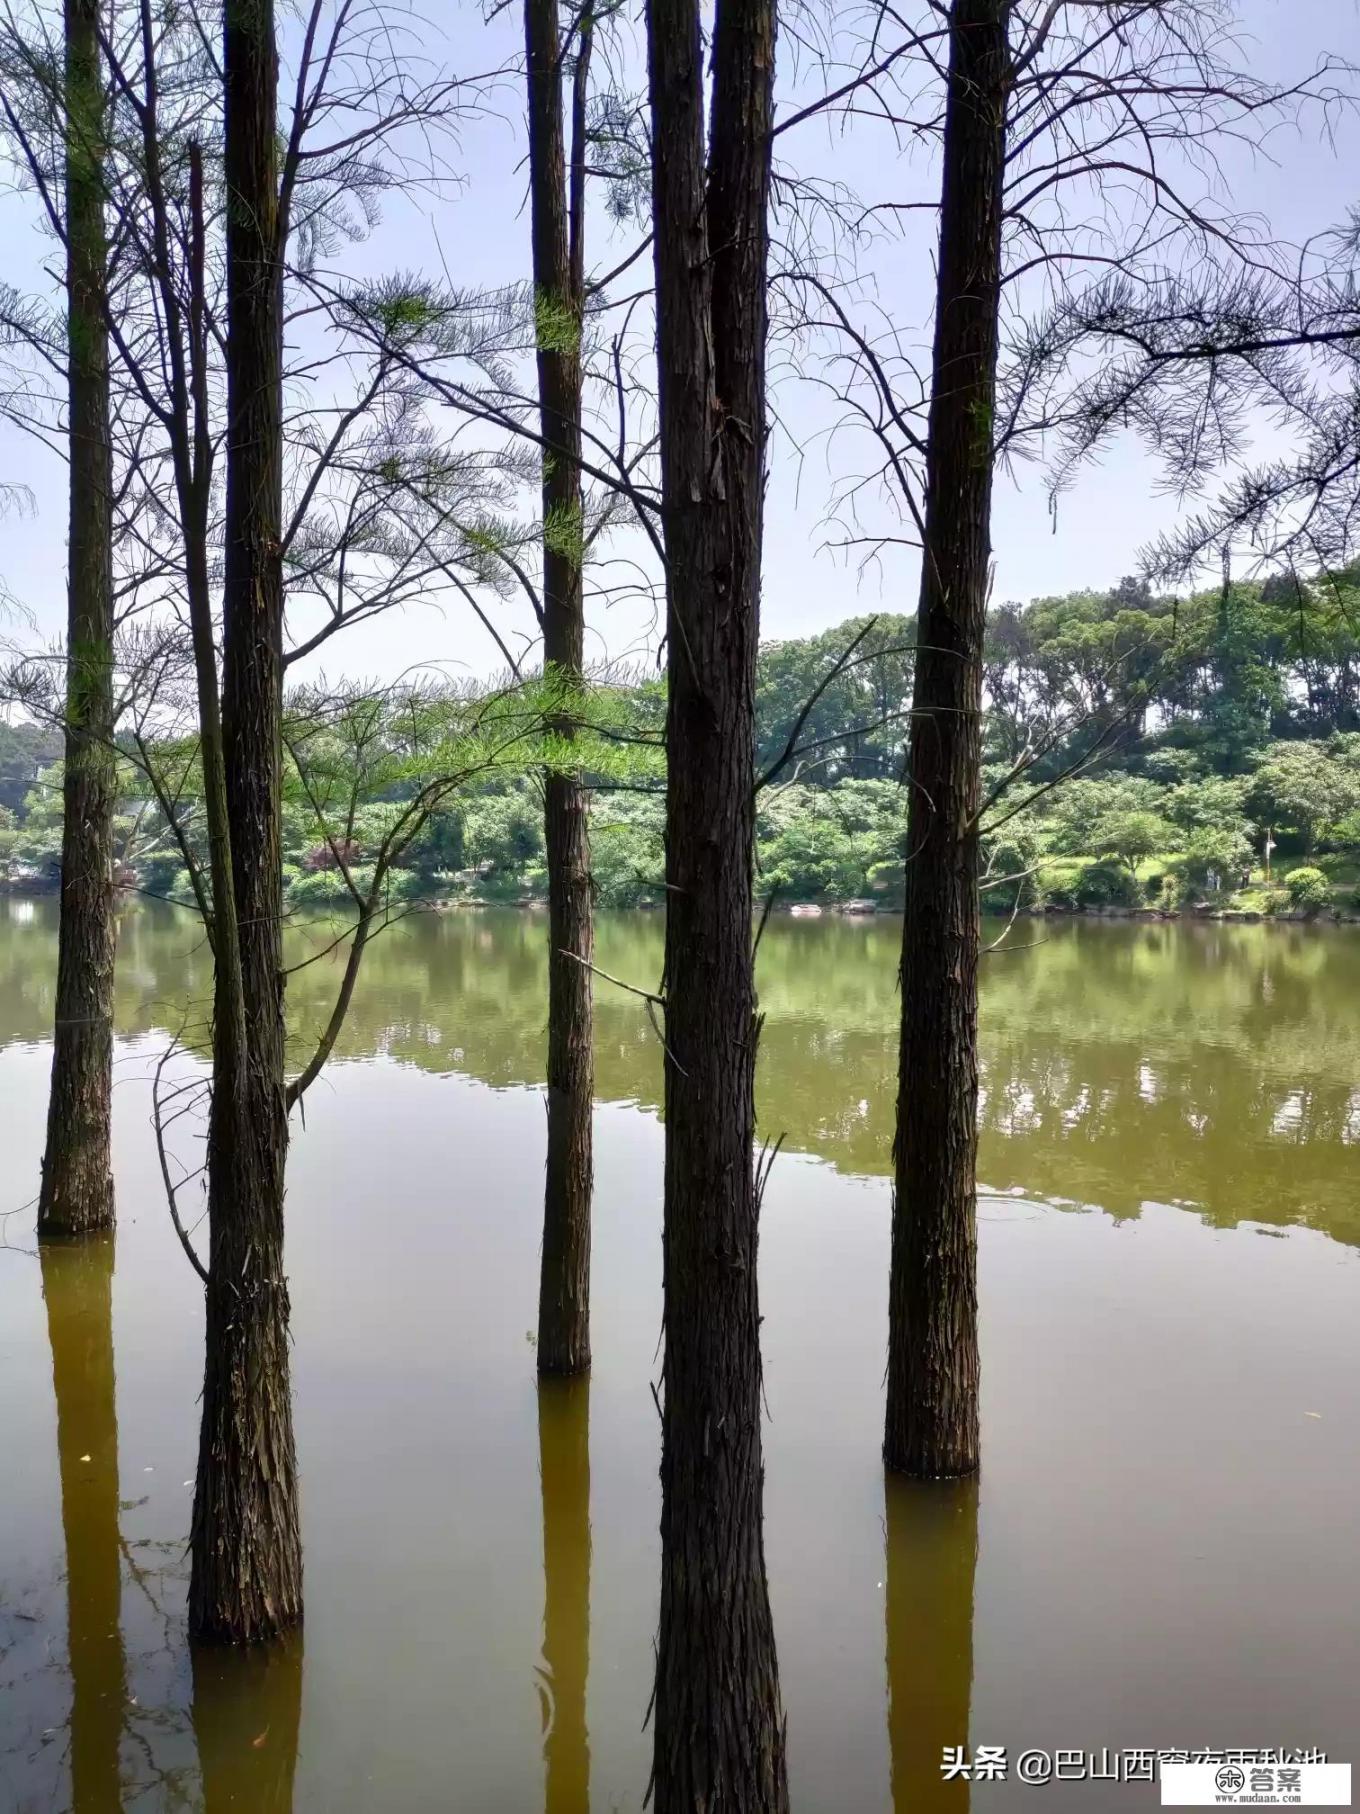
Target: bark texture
x: 564, y: 1475
x: 246, y: 1579
x: 932, y: 1413
x: 931, y: 1566
x: 77, y: 1171
x: 557, y: 213
x: 718, y: 1721
x: 78, y: 1292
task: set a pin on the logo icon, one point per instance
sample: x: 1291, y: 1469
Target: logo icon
x: 1230, y: 1780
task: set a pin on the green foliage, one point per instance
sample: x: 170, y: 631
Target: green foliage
x: 1130, y: 836
x: 557, y: 328
x: 857, y: 724
x: 1079, y: 811
x: 1308, y: 889
x: 1305, y: 786
x: 1174, y: 891
x: 25, y: 749
x: 1092, y: 885
x: 1196, y: 727
x: 1206, y: 803
x: 564, y: 532
x: 825, y: 842
x: 327, y: 887
x: 161, y: 873
x: 402, y: 311
x: 502, y: 829
x: 1221, y: 852
x: 1010, y: 868
x: 628, y: 849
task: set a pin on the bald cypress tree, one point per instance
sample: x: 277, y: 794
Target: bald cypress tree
x: 932, y: 1412
x: 718, y: 1722
x: 246, y: 1576
x: 76, y: 1195
x: 557, y: 207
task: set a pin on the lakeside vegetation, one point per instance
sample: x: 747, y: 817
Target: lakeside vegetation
x: 1173, y: 754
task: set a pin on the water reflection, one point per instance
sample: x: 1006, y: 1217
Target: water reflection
x: 247, y: 1705
x: 932, y: 1532
x: 564, y: 1475
x: 77, y: 1282
x: 1121, y: 1062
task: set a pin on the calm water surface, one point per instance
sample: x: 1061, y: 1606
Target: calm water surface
x: 1160, y: 1550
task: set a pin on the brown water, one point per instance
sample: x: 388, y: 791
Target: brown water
x: 1161, y: 1547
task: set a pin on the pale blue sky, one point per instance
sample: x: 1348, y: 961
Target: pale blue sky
x: 478, y: 231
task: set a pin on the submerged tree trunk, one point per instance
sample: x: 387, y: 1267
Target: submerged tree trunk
x: 78, y: 1291
x: 932, y: 1414
x: 559, y: 306
x: 77, y: 1170
x: 564, y: 1476
x: 247, y: 1708
x: 930, y: 1569
x: 246, y: 1579
x: 718, y: 1721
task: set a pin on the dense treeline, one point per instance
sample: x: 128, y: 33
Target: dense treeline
x: 1162, y: 743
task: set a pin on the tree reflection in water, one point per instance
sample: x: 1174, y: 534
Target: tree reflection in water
x: 931, y: 1530
x: 77, y: 1282
x: 564, y: 1474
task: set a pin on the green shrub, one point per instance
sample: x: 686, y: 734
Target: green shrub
x: 1011, y: 877
x: 1107, y: 885
x: 1214, y: 853
x: 159, y: 873
x: 887, y: 878
x: 1059, y: 884
x: 326, y: 888
x: 1308, y: 889
x: 415, y: 885
x: 811, y: 859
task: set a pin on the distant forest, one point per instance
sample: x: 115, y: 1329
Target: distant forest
x: 1143, y: 750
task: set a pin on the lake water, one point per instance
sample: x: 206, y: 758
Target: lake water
x: 1160, y: 1550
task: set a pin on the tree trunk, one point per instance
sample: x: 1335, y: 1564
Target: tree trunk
x: 78, y: 1291
x: 718, y: 1721
x: 932, y: 1415
x: 559, y: 304
x: 77, y: 1171
x: 246, y: 1579
x: 564, y: 1475
x: 930, y: 1570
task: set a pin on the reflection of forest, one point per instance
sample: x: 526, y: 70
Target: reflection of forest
x: 1122, y: 1062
